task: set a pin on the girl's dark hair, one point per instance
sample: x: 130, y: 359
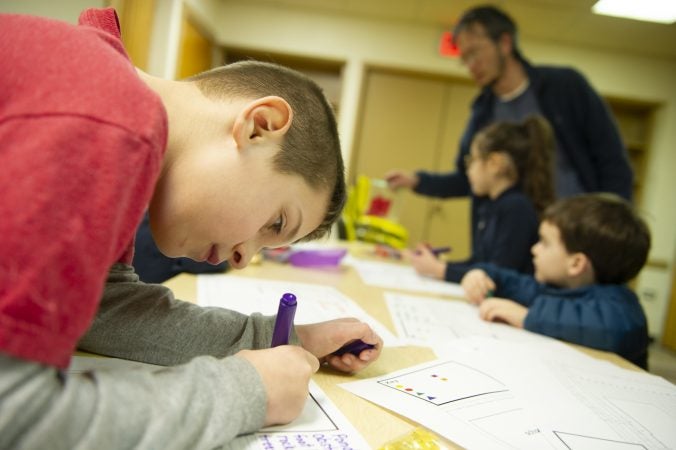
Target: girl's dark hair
x: 530, y: 147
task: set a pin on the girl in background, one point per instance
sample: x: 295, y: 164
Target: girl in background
x: 510, y: 171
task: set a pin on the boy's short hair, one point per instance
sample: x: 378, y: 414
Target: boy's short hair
x: 606, y: 228
x: 495, y: 21
x: 311, y: 147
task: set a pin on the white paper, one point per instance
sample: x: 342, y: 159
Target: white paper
x: 316, y: 303
x: 320, y: 426
x: 462, y: 399
x: 541, y: 394
x: 595, y: 406
x: 404, y: 277
x: 428, y: 321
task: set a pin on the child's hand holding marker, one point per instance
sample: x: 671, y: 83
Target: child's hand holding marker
x: 478, y: 286
x: 391, y: 252
x: 426, y: 262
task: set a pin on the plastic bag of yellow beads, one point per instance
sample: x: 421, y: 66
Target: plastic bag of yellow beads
x: 418, y: 439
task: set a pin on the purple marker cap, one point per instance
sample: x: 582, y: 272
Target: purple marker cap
x: 354, y: 347
x: 284, y: 321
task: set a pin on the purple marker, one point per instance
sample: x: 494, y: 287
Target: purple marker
x: 284, y: 321
x: 440, y: 250
x: 354, y: 347
x: 436, y: 251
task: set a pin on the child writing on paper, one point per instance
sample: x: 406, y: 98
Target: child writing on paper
x: 590, y: 246
x: 230, y: 161
x: 510, y: 172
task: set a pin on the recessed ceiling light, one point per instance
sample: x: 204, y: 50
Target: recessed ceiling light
x: 662, y: 11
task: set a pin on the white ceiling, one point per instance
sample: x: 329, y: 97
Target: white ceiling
x: 564, y: 21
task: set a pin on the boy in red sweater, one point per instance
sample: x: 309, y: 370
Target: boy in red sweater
x: 231, y: 161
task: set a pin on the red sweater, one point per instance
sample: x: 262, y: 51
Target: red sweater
x: 81, y: 144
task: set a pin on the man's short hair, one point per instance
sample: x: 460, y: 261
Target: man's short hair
x: 494, y: 21
x: 311, y: 147
x: 607, y: 229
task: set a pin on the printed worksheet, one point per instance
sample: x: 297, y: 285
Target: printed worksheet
x: 404, y: 277
x: 321, y: 426
x: 428, y: 321
x: 599, y: 407
x: 461, y: 399
x: 316, y: 303
x: 488, y: 393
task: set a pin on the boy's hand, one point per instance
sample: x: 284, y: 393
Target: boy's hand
x: 503, y: 310
x: 285, y: 371
x: 398, y: 178
x: 324, y: 338
x: 425, y: 262
x: 477, y: 284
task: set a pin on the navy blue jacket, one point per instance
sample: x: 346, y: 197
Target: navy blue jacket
x: 584, y: 128
x: 603, y: 316
x: 503, y: 232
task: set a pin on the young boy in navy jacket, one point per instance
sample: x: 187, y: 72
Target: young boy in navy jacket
x: 590, y: 246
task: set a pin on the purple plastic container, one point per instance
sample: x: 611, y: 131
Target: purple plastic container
x: 317, y: 258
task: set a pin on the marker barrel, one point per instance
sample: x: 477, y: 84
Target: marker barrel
x: 284, y: 322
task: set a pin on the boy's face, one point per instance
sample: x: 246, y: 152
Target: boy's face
x: 227, y: 205
x: 550, y: 257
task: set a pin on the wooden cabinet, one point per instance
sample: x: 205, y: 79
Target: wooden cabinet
x: 412, y: 121
x: 195, y: 51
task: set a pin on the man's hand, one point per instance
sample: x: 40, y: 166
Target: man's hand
x: 398, y: 178
x: 324, y: 338
x: 477, y: 285
x: 285, y: 371
x: 503, y: 310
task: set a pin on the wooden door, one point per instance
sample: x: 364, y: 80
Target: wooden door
x: 196, y: 49
x: 669, y: 335
x: 449, y: 219
x: 413, y: 121
x: 136, y: 23
x: 399, y: 129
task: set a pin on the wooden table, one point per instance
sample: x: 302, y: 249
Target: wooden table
x: 377, y: 425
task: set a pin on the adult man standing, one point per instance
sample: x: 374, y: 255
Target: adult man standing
x: 590, y: 155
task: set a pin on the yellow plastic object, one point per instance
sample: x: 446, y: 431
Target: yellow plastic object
x: 379, y: 230
x: 418, y: 439
x: 370, y: 214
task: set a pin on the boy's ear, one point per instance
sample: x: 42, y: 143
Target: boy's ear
x: 266, y: 117
x: 578, y: 263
